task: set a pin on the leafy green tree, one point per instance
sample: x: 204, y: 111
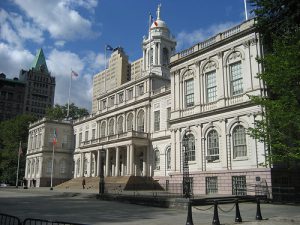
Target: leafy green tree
x: 11, y: 133
x: 59, y: 112
x: 277, y: 22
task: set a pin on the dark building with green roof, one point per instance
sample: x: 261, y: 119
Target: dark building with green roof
x: 40, y: 87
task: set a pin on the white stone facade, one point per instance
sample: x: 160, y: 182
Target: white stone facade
x: 200, y: 94
x: 40, y: 149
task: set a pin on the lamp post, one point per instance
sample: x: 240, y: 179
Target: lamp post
x: 186, y: 176
x: 186, y: 182
x: 101, y: 182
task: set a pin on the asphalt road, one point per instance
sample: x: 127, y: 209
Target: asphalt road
x: 84, y: 208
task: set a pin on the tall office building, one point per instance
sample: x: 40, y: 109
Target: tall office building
x: 40, y: 87
x: 116, y: 73
x: 12, y: 93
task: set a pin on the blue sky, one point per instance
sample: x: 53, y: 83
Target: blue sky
x: 73, y: 33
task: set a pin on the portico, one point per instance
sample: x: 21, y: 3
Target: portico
x: 118, y: 158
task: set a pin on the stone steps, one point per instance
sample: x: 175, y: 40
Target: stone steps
x: 113, y: 184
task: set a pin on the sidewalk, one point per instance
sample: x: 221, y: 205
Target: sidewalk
x: 83, y: 207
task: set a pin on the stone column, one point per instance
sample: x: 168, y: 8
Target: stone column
x: 117, y: 161
x: 98, y: 163
x: 81, y: 164
x: 128, y: 160
x: 158, y: 54
x: 90, y: 167
x: 107, y: 167
x: 131, y: 159
x: 144, y: 163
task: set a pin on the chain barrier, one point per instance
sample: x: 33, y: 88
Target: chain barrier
x: 203, y: 209
x: 226, y: 211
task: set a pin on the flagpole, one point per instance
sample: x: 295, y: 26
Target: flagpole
x: 68, y: 111
x: 105, y: 70
x: 246, y: 13
x: 51, y: 188
x: 18, y: 167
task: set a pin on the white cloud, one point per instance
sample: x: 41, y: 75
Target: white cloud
x: 12, y: 60
x: 14, y: 30
x: 60, y: 64
x: 60, y: 43
x: 59, y: 18
x: 187, y: 39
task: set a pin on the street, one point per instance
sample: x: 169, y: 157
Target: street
x: 85, y: 208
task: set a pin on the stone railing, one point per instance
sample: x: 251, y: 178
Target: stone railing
x: 217, y: 38
x: 114, y: 137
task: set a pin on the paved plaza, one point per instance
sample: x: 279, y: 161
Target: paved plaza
x: 83, y: 207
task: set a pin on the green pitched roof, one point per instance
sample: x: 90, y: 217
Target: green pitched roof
x: 39, y: 61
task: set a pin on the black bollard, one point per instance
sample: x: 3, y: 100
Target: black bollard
x: 216, y: 220
x: 238, y: 217
x: 189, y: 219
x: 258, y: 212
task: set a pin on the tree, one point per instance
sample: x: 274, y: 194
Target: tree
x: 277, y: 22
x: 59, y: 112
x: 11, y: 133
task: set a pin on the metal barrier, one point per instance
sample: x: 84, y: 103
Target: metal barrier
x: 224, y: 200
x: 30, y: 221
x: 6, y: 219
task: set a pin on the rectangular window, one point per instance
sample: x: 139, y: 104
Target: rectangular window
x: 140, y: 89
x: 121, y: 99
x: 80, y: 138
x: 211, y: 185
x: 211, y: 86
x: 235, y: 71
x: 93, y: 134
x: 239, y: 185
x: 104, y: 104
x: 189, y: 93
x: 111, y: 101
x: 168, y: 117
x: 156, y: 120
x: 129, y: 94
x: 86, y: 136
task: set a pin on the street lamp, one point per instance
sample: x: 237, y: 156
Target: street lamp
x: 101, y: 182
x: 186, y: 176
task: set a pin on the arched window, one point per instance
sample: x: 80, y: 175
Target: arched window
x: 120, y: 125
x: 236, y: 78
x: 168, y: 158
x: 140, y: 121
x: 189, y: 147
x: 78, y: 166
x: 111, y: 127
x: 165, y: 57
x: 130, y: 122
x: 103, y: 129
x: 211, y: 86
x: 151, y: 56
x: 239, y: 142
x: 189, y: 92
x: 156, y: 160
x: 212, y: 146
x: 62, y: 167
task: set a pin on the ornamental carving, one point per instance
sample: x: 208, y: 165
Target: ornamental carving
x: 235, y: 56
x: 211, y: 65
